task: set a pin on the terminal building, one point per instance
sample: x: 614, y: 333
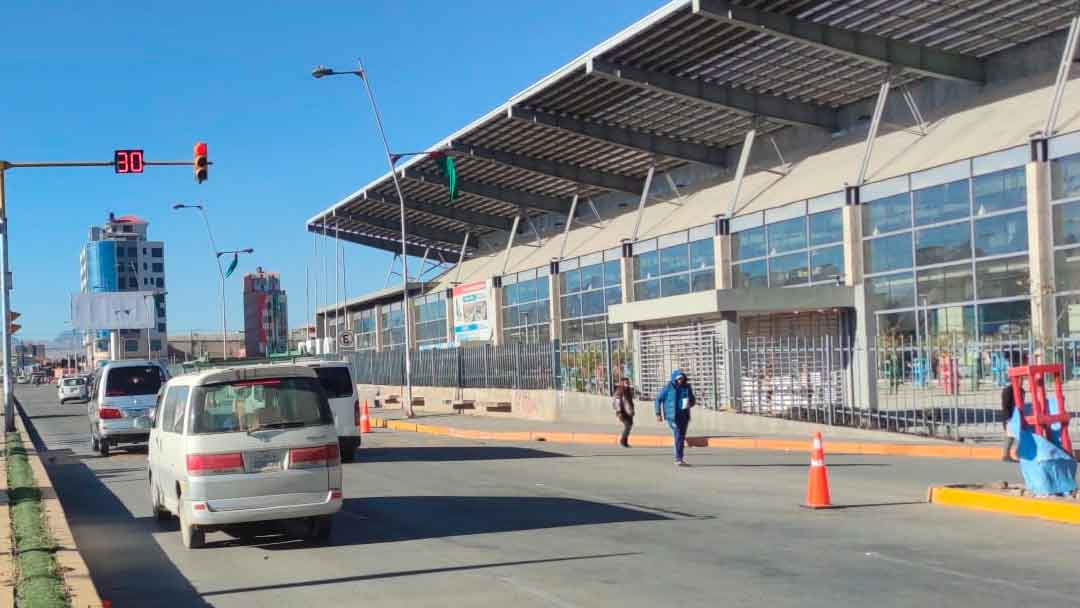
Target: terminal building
x: 754, y: 191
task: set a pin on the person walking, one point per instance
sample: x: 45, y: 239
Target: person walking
x: 623, y: 402
x: 673, y: 404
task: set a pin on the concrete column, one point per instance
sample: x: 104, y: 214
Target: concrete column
x: 861, y: 358
x: 495, y: 284
x: 555, y: 302
x: 853, y: 235
x: 450, y: 316
x: 722, y: 252
x: 626, y: 269
x: 1041, y: 245
x: 378, y: 329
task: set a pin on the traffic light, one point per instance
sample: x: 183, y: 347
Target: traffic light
x: 200, y: 162
x: 13, y: 327
x: 12, y: 315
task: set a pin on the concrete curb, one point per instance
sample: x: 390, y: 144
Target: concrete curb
x: 915, y: 450
x: 80, y: 587
x: 1020, y: 506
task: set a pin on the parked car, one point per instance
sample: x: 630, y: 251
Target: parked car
x: 125, y: 393
x: 241, y: 445
x: 72, y: 388
x: 336, y: 379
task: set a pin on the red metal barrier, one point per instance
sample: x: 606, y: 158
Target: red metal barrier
x: 1040, y: 418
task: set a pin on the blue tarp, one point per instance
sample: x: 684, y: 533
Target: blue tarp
x: 1047, y: 469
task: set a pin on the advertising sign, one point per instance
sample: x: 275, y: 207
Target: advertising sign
x: 472, y: 312
x: 113, y: 310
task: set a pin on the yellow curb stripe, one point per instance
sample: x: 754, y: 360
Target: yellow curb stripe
x: 1021, y: 506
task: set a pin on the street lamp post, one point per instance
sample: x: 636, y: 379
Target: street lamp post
x: 218, y: 254
x: 221, y: 275
x: 359, y: 72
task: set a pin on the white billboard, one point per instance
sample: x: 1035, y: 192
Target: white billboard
x: 113, y: 310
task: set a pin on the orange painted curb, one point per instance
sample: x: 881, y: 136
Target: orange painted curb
x: 553, y: 437
x: 601, y: 438
x: 1021, y: 506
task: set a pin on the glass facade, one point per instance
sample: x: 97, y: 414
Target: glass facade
x: 526, y: 306
x: 795, y: 245
x: 1065, y: 190
x: 429, y: 313
x: 674, y: 264
x: 393, y: 325
x: 945, y: 250
x: 363, y: 326
x: 588, y: 285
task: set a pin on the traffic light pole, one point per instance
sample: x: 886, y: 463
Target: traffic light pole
x: 5, y: 271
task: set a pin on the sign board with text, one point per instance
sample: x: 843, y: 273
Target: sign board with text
x: 472, y: 312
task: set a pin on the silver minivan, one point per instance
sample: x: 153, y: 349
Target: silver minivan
x: 236, y: 446
x: 120, y: 409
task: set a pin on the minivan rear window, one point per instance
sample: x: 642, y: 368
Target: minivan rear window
x: 251, y: 405
x: 135, y: 380
x: 336, y: 381
x: 73, y: 382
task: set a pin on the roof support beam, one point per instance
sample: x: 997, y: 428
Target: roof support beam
x: 858, y: 45
x: 568, y: 172
x: 721, y: 97
x: 627, y: 138
x: 390, y: 245
x: 456, y: 214
x: 450, y: 237
x: 520, y: 198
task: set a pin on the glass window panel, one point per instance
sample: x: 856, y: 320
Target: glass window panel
x: 788, y: 270
x: 1003, y: 320
x: 647, y: 290
x: 892, y: 291
x: 950, y: 324
x: 670, y: 240
x: 646, y: 266
x: 613, y: 295
x: 1067, y: 224
x: 510, y: 317
x: 701, y: 254
x: 526, y: 291
x: 748, y: 244
x: 701, y: 233
x: 592, y: 303
x: 594, y: 329
x: 703, y: 280
x: 897, y: 325
x: 592, y: 277
x: 887, y: 214
x: 543, y: 288
x: 1067, y: 269
x: 571, y: 331
x: 942, y: 203
x: 1068, y: 315
x: 675, y: 285
x: 569, y: 281
x: 612, y: 273
x: 826, y: 264
x: 1000, y: 190
x: 1065, y: 177
x: 571, y: 306
x: 943, y: 244
x: 944, y: 285
x: 826, y: 227
x: 509, y: 294
x: 788, y: 235
x: 674, y: 259
x: 887, y: 253
x: 750, y: 274
x: 1001, y: 234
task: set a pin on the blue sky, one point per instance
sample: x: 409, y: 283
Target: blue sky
x: 81, y: 79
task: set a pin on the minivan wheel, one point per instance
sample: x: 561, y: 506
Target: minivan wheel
x: 192, y: 537
x: 93, y: 441
x: 103, y: 447
x: 160, y: 512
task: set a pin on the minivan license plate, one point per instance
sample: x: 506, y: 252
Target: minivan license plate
x: 264, y: 461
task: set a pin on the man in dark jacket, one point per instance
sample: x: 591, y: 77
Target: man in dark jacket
x: 673, y: 404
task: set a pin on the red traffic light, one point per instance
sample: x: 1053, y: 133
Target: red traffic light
x: 200, y: 162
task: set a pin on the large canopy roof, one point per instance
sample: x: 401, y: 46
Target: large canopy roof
x: 680, y: 86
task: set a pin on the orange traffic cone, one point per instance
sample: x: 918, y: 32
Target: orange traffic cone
x: 365, y: 422
x: 817, y: 489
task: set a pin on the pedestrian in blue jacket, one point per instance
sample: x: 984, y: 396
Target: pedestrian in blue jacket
x: 673, y: 404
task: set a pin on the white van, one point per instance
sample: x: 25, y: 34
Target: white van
x: 125, y: 393
x: 240, y: 445
x: 337, y: 381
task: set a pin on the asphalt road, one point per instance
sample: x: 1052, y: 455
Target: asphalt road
x: 444, y: 522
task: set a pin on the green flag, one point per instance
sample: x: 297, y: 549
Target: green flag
x: 446, y: 166
x: 232, y: 265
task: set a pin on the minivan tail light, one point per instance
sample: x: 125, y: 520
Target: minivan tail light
x: 109, y: 413
x: 215, y: 464
x: 321, y: 456
x: 356, y: 412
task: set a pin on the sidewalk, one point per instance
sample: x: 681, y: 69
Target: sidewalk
x: 505, y: 429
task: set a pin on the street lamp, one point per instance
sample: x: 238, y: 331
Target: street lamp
x: 221, y: 274
x: 322, y: 72
x: 218, y: 254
